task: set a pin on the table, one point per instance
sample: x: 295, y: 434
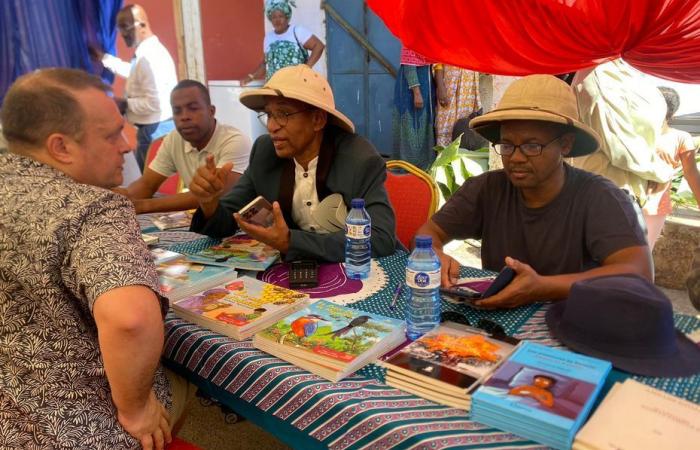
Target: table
x: 308, y: 412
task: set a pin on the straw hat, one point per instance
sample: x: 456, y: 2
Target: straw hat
x: 539, y: 97
x: 299, y: 83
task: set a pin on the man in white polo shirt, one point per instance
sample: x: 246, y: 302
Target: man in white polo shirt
x: 198, y: 136
x: 150, y: 76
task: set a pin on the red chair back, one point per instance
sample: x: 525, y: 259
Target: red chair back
x: 413, y: 195
x: 171, y: 186
x: 179, y: 444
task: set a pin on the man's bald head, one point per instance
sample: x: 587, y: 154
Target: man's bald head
x: 133, y: 25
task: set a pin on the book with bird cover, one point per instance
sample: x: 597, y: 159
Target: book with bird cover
x: 331, y: 340
x: 448, y: 363
x: 241, y: 307
x: 179, y: 277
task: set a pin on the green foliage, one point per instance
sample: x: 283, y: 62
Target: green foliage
x: 452, y: 167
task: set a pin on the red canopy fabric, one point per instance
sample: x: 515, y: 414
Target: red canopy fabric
x: 521, y: 37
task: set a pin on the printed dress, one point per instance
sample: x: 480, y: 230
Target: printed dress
x: 286, y: 49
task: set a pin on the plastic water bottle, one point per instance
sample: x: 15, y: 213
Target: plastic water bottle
x: 358, y: 249
x: 423, y: 279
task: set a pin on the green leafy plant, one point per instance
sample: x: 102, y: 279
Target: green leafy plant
x: 453, y: 166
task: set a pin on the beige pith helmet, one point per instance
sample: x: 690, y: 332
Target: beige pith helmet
x: 539, y: 97
x: 299, y: 83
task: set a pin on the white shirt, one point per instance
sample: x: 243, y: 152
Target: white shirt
x: 305, y: 199
x: 176, y: 155
x: 149, y: 77
x: 302, y: 34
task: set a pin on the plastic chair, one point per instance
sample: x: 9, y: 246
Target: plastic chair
x: 413, y: 195
x: 173, y: 184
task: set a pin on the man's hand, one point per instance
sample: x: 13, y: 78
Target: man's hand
x: 276, y: 235
x: 208, y: 184
x: 150, y: 425
x: 525, y: 288
x: 95, y: 52
x: 668, y: 159
x: 449, y: 269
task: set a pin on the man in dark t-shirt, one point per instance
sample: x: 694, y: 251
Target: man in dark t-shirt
x: 551, y: 223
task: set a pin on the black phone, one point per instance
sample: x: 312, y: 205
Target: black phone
x: 503, y: 279
x: 303, y: 274
x: 461, y: 292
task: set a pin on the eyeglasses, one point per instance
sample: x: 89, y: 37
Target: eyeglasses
x: 528, y: 149
x: 281, y: 117
x: 127, y: 26
x: 487, y: 325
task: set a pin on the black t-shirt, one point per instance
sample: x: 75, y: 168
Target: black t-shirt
x: 589, y: 220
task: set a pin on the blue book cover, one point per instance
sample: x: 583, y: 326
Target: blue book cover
x: 547, y: 386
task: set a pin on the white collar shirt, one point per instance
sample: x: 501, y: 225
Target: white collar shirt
x: 305, y: 199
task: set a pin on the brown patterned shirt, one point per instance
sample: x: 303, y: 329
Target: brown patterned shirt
x: 62, y: 245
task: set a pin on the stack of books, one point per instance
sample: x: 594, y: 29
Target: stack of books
x: 331, y: 340
x: 541, y: 393
x: 181, y: 219
x: 179, y: 277
x: 239, y: 308
x: 447, y: 364
x: 634, y: 416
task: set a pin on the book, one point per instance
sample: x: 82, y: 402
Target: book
x: 448, y: 363
x: 149, y: 239
x: 179, y: 219
x: 161, y: 255
x: 240, y: 307
x: 331, y: 340
x: 239, y: 251
x: 541, y: 393
x: 634, y: 416
x: 180, y: 277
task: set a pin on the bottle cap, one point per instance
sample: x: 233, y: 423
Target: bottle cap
x: 357, y: 203
x: 424, y: 241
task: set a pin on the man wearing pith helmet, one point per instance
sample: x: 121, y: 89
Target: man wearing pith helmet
x: 551, y: 223
x: 310, y: 154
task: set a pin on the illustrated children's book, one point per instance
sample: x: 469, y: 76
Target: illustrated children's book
x: 634, y: 416
x: 240, y: 307
x: 239, y: 251
x: 180, y: 277
x: 541, y: 393
x: 331, y: 340
x: 179, y: 219
x: 448, y: 363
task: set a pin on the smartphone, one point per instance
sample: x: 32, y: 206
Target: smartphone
x: 259, y: 212
x: 461, y: 292
x: 503, y: 279
x: 303, y: 274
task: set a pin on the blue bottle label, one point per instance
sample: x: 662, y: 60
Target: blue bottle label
x: 358, y: 231
x: 423, y: 280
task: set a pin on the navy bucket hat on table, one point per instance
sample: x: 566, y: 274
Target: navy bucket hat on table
x: 628, y: 321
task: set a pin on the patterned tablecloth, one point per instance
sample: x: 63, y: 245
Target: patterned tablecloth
x: 308, y: 412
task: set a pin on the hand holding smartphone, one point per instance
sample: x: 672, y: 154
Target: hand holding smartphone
x: 258, y: 212
x: 471, y: 294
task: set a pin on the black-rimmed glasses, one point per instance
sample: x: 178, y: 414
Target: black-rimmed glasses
x: 528, y: 149
x: 281, y: 117
x: 487, y: 325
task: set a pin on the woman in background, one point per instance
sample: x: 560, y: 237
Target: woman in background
x: 414, y: 111
x: 285, y: 45
x: 458, y: 97
x: 677, y: 148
